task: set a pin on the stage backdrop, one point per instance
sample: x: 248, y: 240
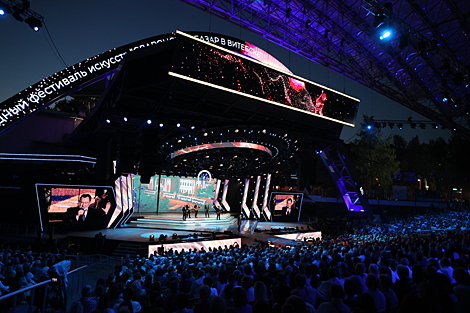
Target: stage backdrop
x: 173, y: 194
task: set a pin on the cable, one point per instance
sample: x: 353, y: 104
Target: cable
x: 52, y: 41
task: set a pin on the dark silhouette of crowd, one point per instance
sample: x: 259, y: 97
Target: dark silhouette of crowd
x: 364, y: 271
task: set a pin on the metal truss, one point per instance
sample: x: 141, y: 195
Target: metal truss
x: 425, y: 65
x: 346, y: 180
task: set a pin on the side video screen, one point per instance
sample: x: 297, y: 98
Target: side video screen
x: 286, y: 207
x: 75, y: 207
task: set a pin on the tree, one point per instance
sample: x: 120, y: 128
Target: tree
x: 374, y: 158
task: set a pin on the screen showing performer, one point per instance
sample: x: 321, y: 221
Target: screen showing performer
x: 286, y: 207
x: 207, y: 64
x: 76, y: 208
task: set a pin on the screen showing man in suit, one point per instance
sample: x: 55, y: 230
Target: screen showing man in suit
x: 87, y: 215
x: 70, y: 207
x: 286, y: 207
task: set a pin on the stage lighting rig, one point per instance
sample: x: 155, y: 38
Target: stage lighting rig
x: 4, y: 9
x: 17, y: 11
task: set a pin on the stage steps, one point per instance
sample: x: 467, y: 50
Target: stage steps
x: 176, y: 222
x: 126, y: 248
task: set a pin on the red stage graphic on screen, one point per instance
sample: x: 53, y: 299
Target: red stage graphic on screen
x: 219, y: 145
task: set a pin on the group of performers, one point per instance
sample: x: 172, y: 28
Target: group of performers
x: 187, y: 210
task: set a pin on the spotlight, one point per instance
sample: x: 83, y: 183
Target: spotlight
x: 192, y: 127
x: 175, y: 236
x: 108, y: 120
x: 236, y: 130
x: 149, y: 122
x: 205, y: 134
x: 34, y: 23
x: 444, y: 99
x: 151, y: 237
x: 161, y: 125
x: 386, y: 34
x: 125, y: 119
x: 435, y: 126
x: 369, y: 126
x: 178, y: 125
x: 4, y: 9
x: 400, y: 126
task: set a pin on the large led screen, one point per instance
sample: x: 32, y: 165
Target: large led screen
x: 286, y: 207
x: 75, y: 207
x: 210, y: 65
x: 174, y: 193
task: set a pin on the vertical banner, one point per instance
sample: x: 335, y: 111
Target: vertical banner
x: 267, y: 213
x: 118, y: 210
x: 224, y: 196
x: 254, y: 207
x: 245, y: 208
x: 216, y: 192
x: 130, y: 188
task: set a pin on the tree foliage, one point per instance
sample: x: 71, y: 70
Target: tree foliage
x: 374, y: 158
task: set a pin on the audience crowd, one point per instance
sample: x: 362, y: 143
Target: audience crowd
x: 416, y: 264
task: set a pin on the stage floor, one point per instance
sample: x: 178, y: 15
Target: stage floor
x: 168, y: 227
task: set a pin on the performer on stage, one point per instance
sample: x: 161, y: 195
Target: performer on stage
x: 184, y: 212
x: 217, y: 211
x: 206, y: 210
x: 196, y: 209
x: 240, y: 217
x: 188, y: 210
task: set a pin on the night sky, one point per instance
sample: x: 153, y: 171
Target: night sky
x: 82, y: 29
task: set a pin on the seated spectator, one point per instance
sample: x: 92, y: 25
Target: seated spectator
x: 462, y: 288
x: 446, y: 269
x: 336, y: 302
x: 217, y: 305
x: 405, y: 286
x: 197, y: 283
x: 372, y: 283
x: 88, y: 302
x: 333, y: 278
x: 240, y: 301
x: 204, y: 297
x: 304, y: 292
x: 385, y: 286
x: 170, y: 297
x: 182, y: 303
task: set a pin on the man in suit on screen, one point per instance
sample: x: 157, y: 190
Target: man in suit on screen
x: 85, y: 217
